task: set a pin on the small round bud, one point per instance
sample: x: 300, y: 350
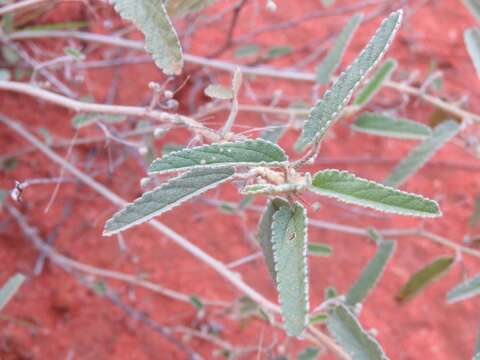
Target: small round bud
x: 168, y: 94
x: 271, y: 6
x: 143, y: 150
x: 158, y: 133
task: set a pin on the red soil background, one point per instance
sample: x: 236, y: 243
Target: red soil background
x: 68, y: 318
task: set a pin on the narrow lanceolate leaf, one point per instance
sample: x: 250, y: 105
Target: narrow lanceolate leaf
x: 10, y: 288
x: 474, y: 7
x: 167, y: 196
x: 251, y: 152
x: 472, y: 41
x: 181, y: 8
x: 218, y: 92
x: 371, y: 274
x: 349, y: 188
x: 289, y: 239
x: 333, y: 102
x: 316, y: 249
x: 265, y: 233
x: 348, y: 332
x: 309, y: 354
x: 424, y: 277
x: 270, y: 189
x: 161, y: 40
x: 442, y: 134
x: 376, y: 82
x: 466, y: 290
x: 332, y: 60
x: 383, y: 125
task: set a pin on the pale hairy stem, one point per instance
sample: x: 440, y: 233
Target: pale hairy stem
x: 22, y: 5
x: 232, y: 277
x: 246, y: 70
x: 63, y: 260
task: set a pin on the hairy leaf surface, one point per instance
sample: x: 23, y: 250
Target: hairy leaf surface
x: 442, y: 134
x: 424, y: 277
x: 376, y: 82
x: 161, y: 39
x: 348, y: 332
x: 472, y: 41
x: 181, y: 8
x: 251, y: 152
x: 10, y: 288
x: 289, y: 239
x: 332, y: 60
x: 265, y: 233
x: 333, y: 102
x: 466, y: 290
x: 382, y: 125
x: 349, y: 188
x: 167, y: 196
x: 371, y: 274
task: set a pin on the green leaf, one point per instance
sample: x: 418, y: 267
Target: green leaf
x: 348, y: 332
x: 166, y: 197
x: 249, y: 153
x: 371, y: 274
x: 332, y: 60
x: 274, y: 133
x: 289, y: 240
x: 278, y: 51
x: 270, y: 189
x: 10, y: 288
x: 424, y: 277
x: 317, y: 249
x: 161, y: 40
x: 474, y: 7
x: 318, y: 319
x: 82, y: 120
x: 472, y: 41
x: 376, y: 82
x: 196, y: 302
x: 475, y: 217
x: 329, y: 108
x: 250, y: 50
x: 181, y: 8
x: 330, y: 293
x: 442, y: 134
x: 348, y: 188
x: 476, y: 357
x: 265, y: 233
x: 74, y: 53
x: 218, y: 92
x: 466, y: 290
x: 309, y: 354
x: 4, y: 75
x: 328, y: 3
x: 382, y: 125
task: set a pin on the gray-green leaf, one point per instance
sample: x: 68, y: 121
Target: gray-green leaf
x: 10, y: 288
x: 181, y: 8
x: 332, y: 60
x: 289, y: 239
x: 317, y: 249
x: 327, y: 110
x: 348, y: 188
x: 265, y: 233
x: 82, y: 120
x: 161, y: 39
x: 472, y: 41
x: 348, y: 332
x: 474, y: 7
x: 309, y: 354
x: 167, y: 196
x: 250, y: 152
x: 424, y: 277
x: 371, y: 274
x: 218, y: 92
x: 442, y: 134
x: 466, y: 290
x: 376, y: 82
x: 383, y: 125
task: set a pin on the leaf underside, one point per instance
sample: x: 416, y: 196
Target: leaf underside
x: 383, y: 125
x: 348, y: 332
x: 265, y: 233
x: 472, y: 41
x: 375, y: 83
x: 10, y: 288
x: 332, y: 60
x: 251, y: 152
x: 349, y: 188
x: 371, y: 274
x: 424, y: 277
x: 465, y: 290
x: 167, y: 196
x: 442, y: 134
x: 289, y: 240
x: 333, y: 102
x: 161, y: 39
